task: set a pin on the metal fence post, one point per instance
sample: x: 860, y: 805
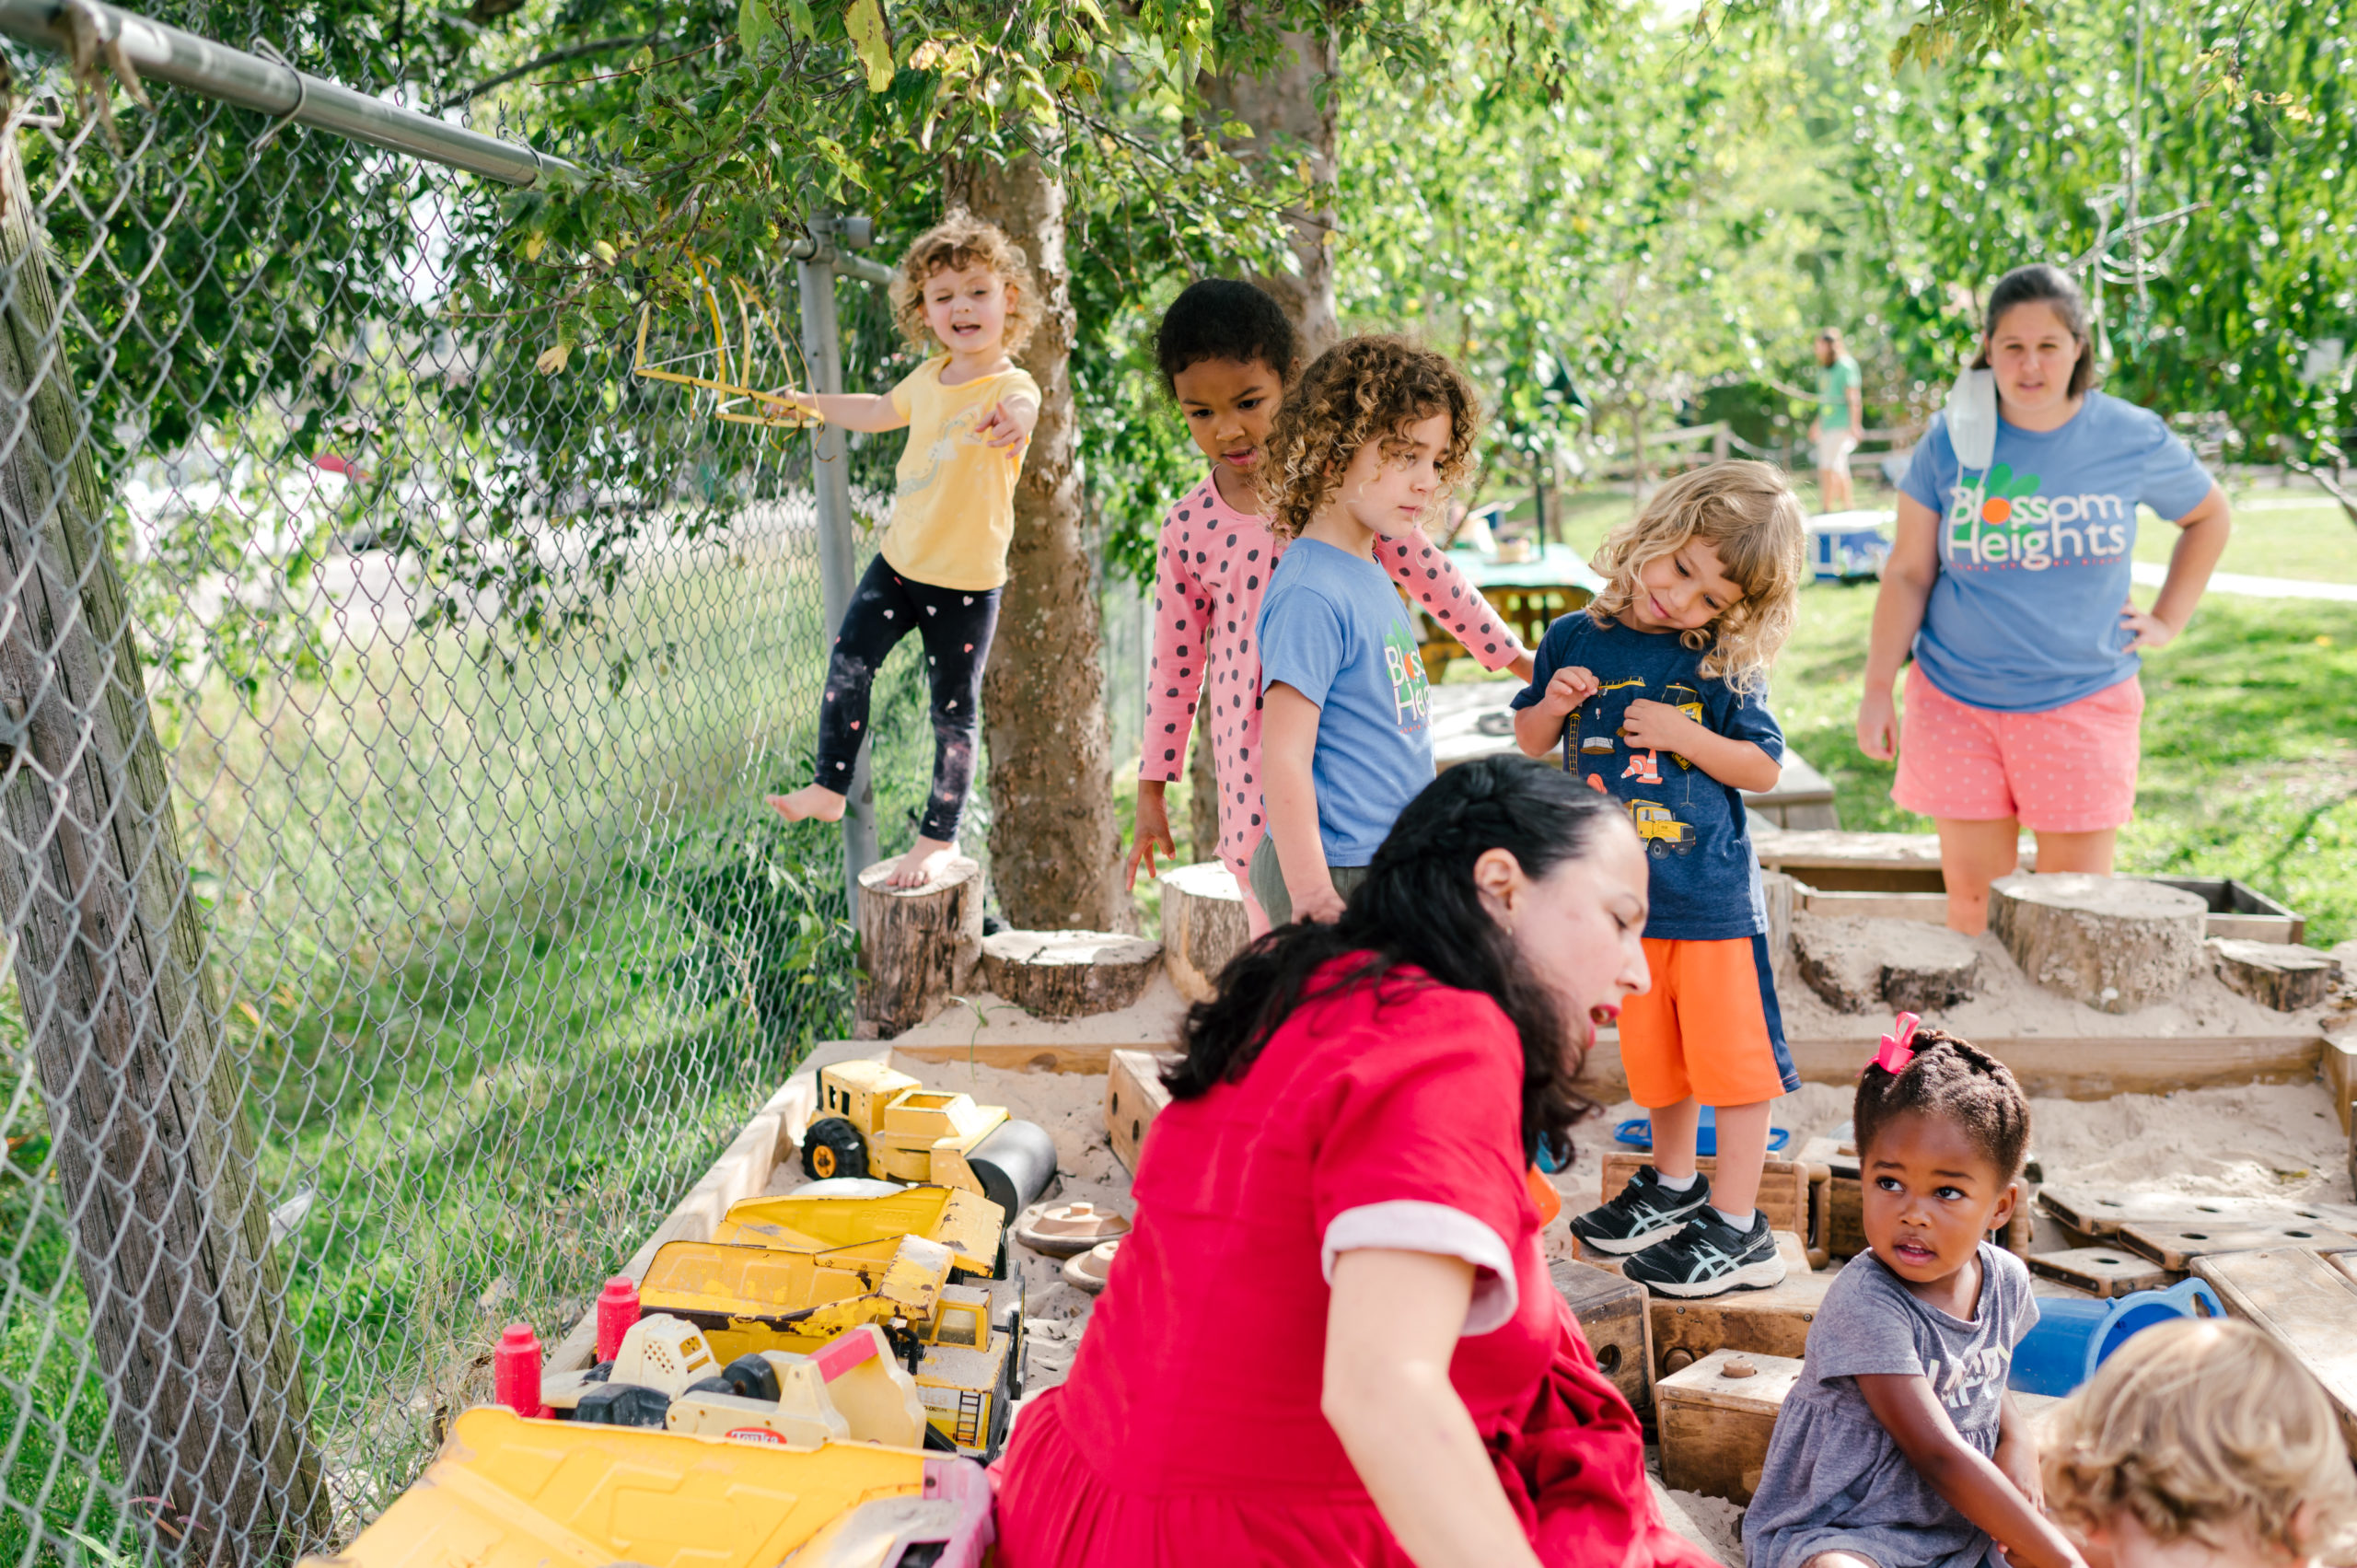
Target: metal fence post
x: 831, y: 480
x: 153, y: 1148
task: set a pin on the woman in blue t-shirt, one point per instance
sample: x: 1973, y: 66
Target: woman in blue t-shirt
x: 2009, y: 586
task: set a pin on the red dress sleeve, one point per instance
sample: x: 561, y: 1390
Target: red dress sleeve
x: 1419, y: 1146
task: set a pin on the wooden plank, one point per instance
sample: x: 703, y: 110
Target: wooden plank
x: 2341, y: 1074
x: 2176, y: 1246
x: 2101, y: 1210
x: 2305, y: 1305
x: 1133, y: 1098
x: 741, y: 1171
x: 1717, y: 1418
x: 1614, y: 1320
x: 1931, y: 908
x: 2092, y: 1067
x: 2103, y: 1271
x: 1013, y: 1057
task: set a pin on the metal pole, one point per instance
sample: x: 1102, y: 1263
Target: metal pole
x: 162, y: 53
x: 838, y: 565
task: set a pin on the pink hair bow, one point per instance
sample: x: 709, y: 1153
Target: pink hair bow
x: 1897, y: 1047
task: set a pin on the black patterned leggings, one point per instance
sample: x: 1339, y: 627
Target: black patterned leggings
x: 957, y: 628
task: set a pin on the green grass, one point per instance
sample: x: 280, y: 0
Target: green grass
x: 2313, y: 541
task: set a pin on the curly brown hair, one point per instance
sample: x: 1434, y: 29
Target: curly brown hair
x: 1746, y: 514
x: 956, y: 242
x: 1362, y: 390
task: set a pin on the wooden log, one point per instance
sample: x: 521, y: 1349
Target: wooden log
x: 1203, y: 926
x: 1787, y: 1195
x: 1614, y: 1319
x: 2341, y: 1074
x: 918, y: 946
x: 2307, y: 1306
x: 2103, y: 1271
x: 1133, y: 1098
x: 1867, y: 965
x: 1068, y: 974
x: 2177, y: 1246
x: 1014, y: 1056
x: 152, y: 1164
x: 1716, y: 1419
x: 1832, y: 958
x: 2113, y: 943
x: 1918, y: 906
x: 2276, y: 974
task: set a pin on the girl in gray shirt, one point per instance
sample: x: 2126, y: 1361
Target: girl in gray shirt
x: 1899, y: 1446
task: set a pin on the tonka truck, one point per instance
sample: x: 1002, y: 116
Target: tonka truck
x: 873, y: 1120
x: 970, y: 1226
x: 1663, y: 834
x: 963, y: 1343
x: 516, y: 1492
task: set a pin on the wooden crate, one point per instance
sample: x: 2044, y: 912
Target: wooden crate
x: 2177, y: 1246
x: 1613, y: 1319
x: 1772, y: 1321
x: 2340, y: 1076
x: 1133, y: 1098
x: 1791, y: 1194
x: 2304, y: 1302
x: 2104, y: 1271
x: 1717, y: 1418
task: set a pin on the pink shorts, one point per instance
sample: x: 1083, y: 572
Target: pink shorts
x: 2070, y: 769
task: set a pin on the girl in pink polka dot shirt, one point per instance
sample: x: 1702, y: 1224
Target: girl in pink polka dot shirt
x: 1226, y: 352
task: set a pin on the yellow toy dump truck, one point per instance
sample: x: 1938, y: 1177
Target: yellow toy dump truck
x: 508, y: 1491
x: 970, y: 1226
x: 872, y: 1120
x: 964, y: 1343
x: 1663, y: 834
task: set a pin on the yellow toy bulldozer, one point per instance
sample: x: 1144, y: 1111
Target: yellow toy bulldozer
x: 873, y: 1120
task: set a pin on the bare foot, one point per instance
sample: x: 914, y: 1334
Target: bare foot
x: 810, y: 801
x: 926, y: 859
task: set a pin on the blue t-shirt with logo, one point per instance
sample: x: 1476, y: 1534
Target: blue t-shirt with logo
x: 1334, y: 628
x: 2034, y: 568
x: 1705, y: 881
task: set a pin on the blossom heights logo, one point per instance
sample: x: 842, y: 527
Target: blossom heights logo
x: 2007, y: 523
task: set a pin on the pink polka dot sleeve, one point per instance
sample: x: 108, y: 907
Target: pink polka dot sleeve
x: 1433, y: 580
x: 1182, y: 613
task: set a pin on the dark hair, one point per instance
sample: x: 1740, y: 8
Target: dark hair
x: 1958, y: 1083
x: 1226, y: 318
x: 2039, y: 284
x: 1418, y: 907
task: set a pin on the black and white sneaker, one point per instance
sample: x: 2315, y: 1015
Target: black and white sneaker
x: 1710, y: 1257
x: 1643, y: 1214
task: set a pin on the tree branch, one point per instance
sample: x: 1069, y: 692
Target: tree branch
x: 2335, y: 482
x: 554, y: 57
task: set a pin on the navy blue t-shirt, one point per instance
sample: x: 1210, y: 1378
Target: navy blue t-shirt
x: 1705, y: 884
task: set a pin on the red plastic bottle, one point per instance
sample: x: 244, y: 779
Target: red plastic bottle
x: 617, y: 1310
x: 516, y: 1370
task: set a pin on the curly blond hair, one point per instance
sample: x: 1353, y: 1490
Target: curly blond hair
x: 1749, y: 516
x: 1362, y: 390
x: 956, y: 242
x: 2204, y: 1428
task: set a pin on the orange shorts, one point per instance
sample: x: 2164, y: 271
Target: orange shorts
x: 1708, y: 1027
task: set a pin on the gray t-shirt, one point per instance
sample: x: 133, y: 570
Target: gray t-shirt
x: 1834, y: 1479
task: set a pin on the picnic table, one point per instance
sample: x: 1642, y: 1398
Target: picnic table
x: 1529, y: 594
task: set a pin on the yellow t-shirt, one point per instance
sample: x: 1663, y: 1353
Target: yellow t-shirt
x: 954, y: 511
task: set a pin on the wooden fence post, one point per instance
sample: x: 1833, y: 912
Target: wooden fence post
x: 147, y: 1122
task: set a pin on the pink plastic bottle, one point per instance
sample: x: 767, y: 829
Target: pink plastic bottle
x: 516, y: 1370
x: 617, y: 1310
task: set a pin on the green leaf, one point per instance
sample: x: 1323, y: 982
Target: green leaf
x: 798, y: 13
x: 755, y: 23
x: 864, y: 23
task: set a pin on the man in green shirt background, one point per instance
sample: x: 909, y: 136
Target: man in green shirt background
x: 1840, y: 423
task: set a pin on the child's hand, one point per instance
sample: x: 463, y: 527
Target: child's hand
x: 1320, y: 904
x: 1006, y: 425
x: 1656, y: 726
x: 1567, y: 690
x: 1152, y: 832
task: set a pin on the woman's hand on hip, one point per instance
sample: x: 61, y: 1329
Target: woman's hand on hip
x: 1878, y: 725
x: 2146, y: 631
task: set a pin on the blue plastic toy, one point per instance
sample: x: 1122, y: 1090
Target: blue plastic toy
x: 1637, y: 1132
x: 2072, y: 1338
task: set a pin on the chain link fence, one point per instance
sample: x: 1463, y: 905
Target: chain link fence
x: 392, y: 928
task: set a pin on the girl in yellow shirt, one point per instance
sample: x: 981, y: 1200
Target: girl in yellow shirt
x: 965, y: 287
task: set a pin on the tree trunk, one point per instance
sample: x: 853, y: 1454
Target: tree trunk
x: 1203, y: 926
x: 1055, y: 848
x: 918, y: 946
x: 152, y: 1147
x: 2276, y: 974
x: 1282, y: 106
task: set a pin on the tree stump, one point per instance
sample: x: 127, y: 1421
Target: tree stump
x: 918, y: 946
x: 2275, y: 974
x: 1068, y: 974
x: 1202, y: 925
x: 1863, y: 964
x: 2115, y: 942
x: 1776, y: 889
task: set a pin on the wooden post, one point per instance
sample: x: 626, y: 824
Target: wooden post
x: 2115, y: 942
x: 1202, y: 925
x: 145, y: 1110
x: 918, y: 946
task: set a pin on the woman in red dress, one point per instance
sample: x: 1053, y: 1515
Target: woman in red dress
x: 1332, y: 1337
